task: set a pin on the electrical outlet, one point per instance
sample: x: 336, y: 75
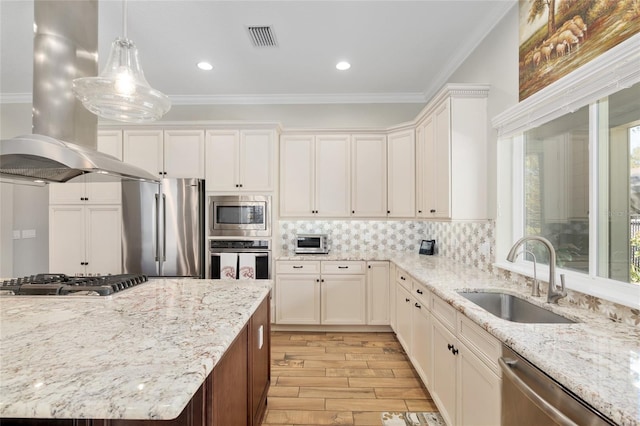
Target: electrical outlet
x: 16, y: 234
x: 28, y: 233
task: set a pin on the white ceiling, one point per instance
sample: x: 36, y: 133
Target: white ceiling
x: 400, y: 51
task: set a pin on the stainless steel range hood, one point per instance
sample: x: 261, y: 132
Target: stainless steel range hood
x: 63, y: 143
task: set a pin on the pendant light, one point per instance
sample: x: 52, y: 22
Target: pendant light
x: 121, y: 92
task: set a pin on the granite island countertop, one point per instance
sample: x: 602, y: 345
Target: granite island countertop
x: 138, y: 354
x: 595, y: 358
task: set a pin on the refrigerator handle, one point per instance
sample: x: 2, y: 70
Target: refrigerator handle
x: 157, y: 209
x: 164, y: 228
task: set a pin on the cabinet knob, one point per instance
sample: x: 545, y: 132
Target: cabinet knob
x: 417, y: 306
x: 407, y: 300
x: 353, y: 212
x: 419, y: 211
x: 240, y: 185
x: 322, y: 280
x: 419, y: 291
x: 317, y: 280
x: 388, y: 211
x: 237, y: 185
x: 449, y: 346
x: 369, y: 266
x: 454, y: 351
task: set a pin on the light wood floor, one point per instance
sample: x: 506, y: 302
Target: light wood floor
x: 340, y: 379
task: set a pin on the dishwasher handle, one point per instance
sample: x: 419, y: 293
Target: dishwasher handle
x: 507, y: 364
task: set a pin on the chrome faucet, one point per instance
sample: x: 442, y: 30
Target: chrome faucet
x: 553, y: 295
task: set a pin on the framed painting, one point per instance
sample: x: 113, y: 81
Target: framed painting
x: 559, y: 36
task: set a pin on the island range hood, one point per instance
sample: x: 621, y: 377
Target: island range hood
x: 64, y: 139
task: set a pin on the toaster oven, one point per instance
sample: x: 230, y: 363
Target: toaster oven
x: 312, y: 244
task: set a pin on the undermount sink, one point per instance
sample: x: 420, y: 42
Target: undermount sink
x: 512, y: 308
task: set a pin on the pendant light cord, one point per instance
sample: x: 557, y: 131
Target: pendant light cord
x: 124, y: 19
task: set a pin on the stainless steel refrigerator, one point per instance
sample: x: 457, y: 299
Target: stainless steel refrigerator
x: 163, y: 228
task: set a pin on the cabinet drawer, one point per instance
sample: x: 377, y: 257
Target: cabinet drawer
x: 295, y: 267
x: 343, y: 268
x: 403, y: 279
x: 421, y: 293
x: 444, y: 312
x: 480, y: 342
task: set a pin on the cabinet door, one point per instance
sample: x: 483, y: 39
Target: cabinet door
x: 222, y: 160
x: 332, y: 178
x: 369, y: 176
x: 421, y: 340
x: 110, y: 142
x: 443, y: 379
x: 401, y: 174
x: 297, y: 171
x: 442, y: 160
x: 259, y: 360
x: 184, y: 154
x: 67, y: 193
x: 103, y: 239
x: 298, y: 299
x: 66, y: 240
x: 144, y: 148
x: 403, y: 317
x: 256, y: 160
x: 378, y: 293
x: 426, y: 169
x: 228, y: 386
x: 478, y: 391
x: 342, y: 299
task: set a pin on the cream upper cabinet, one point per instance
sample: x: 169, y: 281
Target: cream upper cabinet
x: 240, y: 160
x: 167, y: 154
x: 333, y: 194
x: 297, y: 175
x: 314, y: 176
x: 401, y: 174
x: 369, y: 176
x: 184, y: 154
x: 110, y: 142
x: 452, y: 155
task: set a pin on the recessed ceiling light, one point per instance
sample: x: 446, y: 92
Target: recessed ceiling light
x: 342, y: 66
x: 205, y: 66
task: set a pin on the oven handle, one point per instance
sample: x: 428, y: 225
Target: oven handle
x: 258, y: 254
x: 507, y: 369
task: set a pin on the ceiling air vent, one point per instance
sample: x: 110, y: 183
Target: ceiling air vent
x: 262, y: 36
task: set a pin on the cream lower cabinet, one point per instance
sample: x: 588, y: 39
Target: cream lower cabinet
x: 378, y: 293
x: 465, y: 382
x: 85, y: 239
x: 404, y: 302
x: 421, y: 341
x: 327, y: 292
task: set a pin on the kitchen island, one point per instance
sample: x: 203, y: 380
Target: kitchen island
x: 153, y: 352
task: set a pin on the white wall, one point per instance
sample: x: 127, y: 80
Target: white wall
x: 494, y: 62
x: 22, y: 207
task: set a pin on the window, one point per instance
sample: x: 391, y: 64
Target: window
x: 569, y: 170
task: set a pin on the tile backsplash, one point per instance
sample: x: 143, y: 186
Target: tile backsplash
x: 470, y: 243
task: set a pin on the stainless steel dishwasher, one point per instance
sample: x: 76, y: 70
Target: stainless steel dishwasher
x: 531, y: 398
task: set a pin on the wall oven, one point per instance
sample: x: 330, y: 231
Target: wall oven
x: 240, y: 216
x: 229, y: 254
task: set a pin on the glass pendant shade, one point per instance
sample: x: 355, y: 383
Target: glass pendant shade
x: 121, y: 92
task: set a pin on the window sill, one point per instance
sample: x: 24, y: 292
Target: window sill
x: 614, y: 291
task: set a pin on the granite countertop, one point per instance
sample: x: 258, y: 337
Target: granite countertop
x: 596, y: 358
x: 139, y: 354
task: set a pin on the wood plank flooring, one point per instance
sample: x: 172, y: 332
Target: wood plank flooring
x: 340, y: 379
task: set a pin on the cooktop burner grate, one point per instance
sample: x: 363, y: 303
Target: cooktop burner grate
x: 61, y: 285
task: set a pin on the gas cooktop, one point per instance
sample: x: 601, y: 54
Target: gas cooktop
x: 63, y: 285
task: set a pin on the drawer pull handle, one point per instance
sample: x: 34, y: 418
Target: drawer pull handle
x: 449, y: 346
x: 298, y: 267
x: 418, y: 306
x: 419, y: 291
x: 343, y: 267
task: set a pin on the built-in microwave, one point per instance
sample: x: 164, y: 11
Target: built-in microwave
x: 240, y: 215
x: 312, y: 243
